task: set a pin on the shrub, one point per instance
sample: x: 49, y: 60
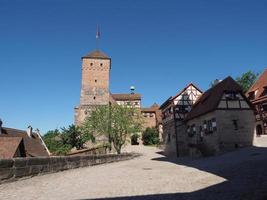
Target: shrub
x: 134, y: 139
x: 150, y: 136
x: 61, y: 142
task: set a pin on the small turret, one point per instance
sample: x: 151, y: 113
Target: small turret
x: 132, y: 88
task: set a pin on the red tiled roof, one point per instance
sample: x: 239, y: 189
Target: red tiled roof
x: 125, y: 97
x: 259, y: 85
x: 112, y: 100
x: 211, y: 98
x: 33, y: 145
x: 9, y: 146
x: 152, y: 108
x: 96, y: 54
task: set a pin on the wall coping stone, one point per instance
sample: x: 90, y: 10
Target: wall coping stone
x: 18, y: 168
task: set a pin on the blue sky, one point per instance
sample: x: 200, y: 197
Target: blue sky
x: 157, y: 46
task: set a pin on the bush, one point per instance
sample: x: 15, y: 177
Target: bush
x: 55, y: 144
x: 134, y: 139
x: 150, y: 136
x: 60, y: 143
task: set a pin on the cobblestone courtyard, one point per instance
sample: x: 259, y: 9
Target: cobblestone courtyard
x: 237, y: 175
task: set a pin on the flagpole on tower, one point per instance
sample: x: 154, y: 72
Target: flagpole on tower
x: 97, y: 36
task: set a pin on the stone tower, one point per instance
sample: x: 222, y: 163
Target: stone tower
x: 95, y: 84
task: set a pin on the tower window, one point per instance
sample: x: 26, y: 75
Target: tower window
x: 95, y: 80
x: 101, y: 64
x: 91, y: 64
x: 94, y: 98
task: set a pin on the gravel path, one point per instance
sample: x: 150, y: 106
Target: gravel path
x: 237, y: 175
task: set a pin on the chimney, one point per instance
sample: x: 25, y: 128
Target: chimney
x: 1, y: 123
x: 29, y: 131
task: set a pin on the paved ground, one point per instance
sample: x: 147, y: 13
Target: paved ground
x: 237, y: 175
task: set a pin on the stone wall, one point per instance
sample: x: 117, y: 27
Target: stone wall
x: 149, y: 120
x: 13, y: 169
x: 169, y: 138
x: 227, y: 137
x: 243, y: 135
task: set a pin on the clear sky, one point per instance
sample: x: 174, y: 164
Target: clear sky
x: 157, y: 46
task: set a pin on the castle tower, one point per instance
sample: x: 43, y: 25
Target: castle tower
x: 95, y: 83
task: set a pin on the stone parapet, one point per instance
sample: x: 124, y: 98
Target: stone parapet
x: 16, y: 168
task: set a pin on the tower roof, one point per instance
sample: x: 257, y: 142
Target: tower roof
x: 96, y: 54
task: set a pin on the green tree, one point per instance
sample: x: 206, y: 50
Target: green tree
x: 246, y: 80
x: 60, y: 143
x: 74, y: 136
x: 55, y: 144
x: 115, y: 122
x: 150, y: 136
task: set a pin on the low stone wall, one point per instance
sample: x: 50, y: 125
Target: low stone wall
x: 92, y: 151
x: 13, y: 169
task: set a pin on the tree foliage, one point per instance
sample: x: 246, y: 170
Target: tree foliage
x: 246, y: 80
x: 150, y: 136
x: 55, y: 143
x: 116, y: 122
x: 60, y: 143
x: 74, y: 136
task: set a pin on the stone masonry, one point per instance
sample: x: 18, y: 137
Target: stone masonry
x: 95, y: 84
x: 12, y: 169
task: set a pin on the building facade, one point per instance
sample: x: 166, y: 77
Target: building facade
x: 132, y: 99
x: 257, y: 94
x: 221, y: 120
x: 174, y: 110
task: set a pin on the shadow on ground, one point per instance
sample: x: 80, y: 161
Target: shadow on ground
x: 245, y: 171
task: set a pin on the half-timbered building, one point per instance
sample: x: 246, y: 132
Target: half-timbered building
x: 132, y: 99
x: 221, y: 120
x: 174, y: 111
x: 257, y: 94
